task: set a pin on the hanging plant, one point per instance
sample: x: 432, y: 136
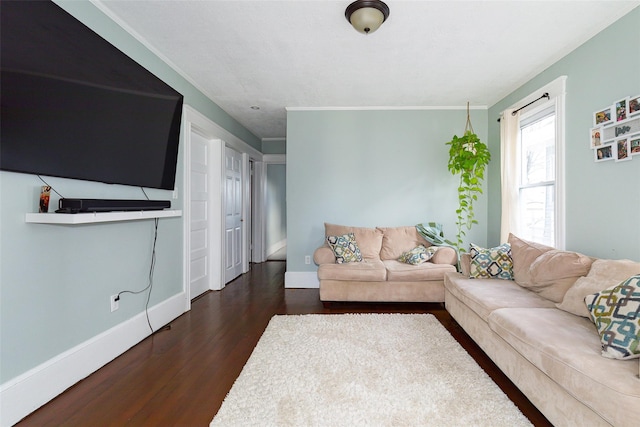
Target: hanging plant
x: 468, y: 156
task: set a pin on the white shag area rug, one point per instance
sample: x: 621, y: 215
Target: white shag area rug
x: 363, y: 370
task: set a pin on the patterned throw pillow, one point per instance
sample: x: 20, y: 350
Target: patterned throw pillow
x: 418, y: 255
x: 345, y: 248
x: 616, y: 313
x: 494, y: 263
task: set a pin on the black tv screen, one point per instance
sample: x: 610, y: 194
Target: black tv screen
x: 74, y: 106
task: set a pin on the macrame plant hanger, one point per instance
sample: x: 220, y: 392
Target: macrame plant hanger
x: 468, y: 125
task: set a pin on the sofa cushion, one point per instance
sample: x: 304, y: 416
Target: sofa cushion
x: 616, y: 313
x: 604, y: 273
x: 491, y: 263
x: 484, y: 296
x: 553, y: 273
x: 524, y: 253
x: 418, y: 255
x: 400, y: 272
x: 567, y: 349
x: 345, y: 248
x: 445, y: 255
x: 397, y: 240
x: 366, y: 271
x: 369, y: 240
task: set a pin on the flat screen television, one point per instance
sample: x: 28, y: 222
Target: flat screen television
x: 74, y: 106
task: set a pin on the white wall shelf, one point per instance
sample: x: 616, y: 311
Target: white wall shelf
x: 94, y: 217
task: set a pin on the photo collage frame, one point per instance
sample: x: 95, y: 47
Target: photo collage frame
x: 615, y: 134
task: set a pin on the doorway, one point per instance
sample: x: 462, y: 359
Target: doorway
x: 233, y: 214
x: 213, y: 194
x: 276, y: 212
x: 200, y: 206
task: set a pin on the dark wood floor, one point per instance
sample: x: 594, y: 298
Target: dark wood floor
x: 180, y: 376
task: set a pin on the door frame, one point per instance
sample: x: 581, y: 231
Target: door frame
x: 208, y: 247
x: 194, y: 121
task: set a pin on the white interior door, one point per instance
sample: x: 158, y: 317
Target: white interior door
x: 233, y: 214
x: 200, y: 253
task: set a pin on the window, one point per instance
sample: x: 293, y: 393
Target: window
x: 537, y: 184
x: 532, y: 167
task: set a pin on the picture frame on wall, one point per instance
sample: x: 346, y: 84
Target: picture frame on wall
x: 634, y: 105
x: 634, y: 144
x: 603, y: 117
x: 616, y: 130
x: 621, y: 109
x: 621, y: 150
x: 596, y: 136
x: 603, y: 153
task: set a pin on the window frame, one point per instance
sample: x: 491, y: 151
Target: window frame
x: 557, y: 94
x: 535, y: 115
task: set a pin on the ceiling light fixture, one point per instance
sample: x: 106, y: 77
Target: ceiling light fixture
x: 366, y: 16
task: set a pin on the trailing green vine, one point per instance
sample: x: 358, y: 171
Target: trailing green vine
x: 468, y: 156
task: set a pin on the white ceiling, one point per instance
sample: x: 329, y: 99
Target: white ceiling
x: 304, y: 53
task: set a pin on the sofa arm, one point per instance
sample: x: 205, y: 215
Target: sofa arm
x: 465, y: 264
x: 445, y: 255
x: 324, y: 255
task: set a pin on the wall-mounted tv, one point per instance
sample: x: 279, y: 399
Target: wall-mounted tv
x: 74, y: 106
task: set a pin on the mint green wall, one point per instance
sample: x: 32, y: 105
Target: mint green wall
x: 55, y: 280
x: 371, y: 168
x: 602, y: 199
x: 276, y: 204
x: 276, y: 146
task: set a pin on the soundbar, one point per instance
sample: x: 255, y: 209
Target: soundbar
x: 110, y: 205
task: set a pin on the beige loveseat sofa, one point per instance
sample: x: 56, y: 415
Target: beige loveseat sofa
x: 536, y: 329
x: 380, y: 276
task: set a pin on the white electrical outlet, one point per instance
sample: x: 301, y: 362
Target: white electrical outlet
x: 114, y: 299
x: 307, y: 259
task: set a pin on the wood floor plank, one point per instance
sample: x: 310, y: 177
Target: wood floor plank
x: 180, y: 376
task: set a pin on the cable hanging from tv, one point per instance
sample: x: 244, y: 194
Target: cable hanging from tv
x: 544, y: 95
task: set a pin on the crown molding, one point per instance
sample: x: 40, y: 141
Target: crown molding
x: 390, y: 108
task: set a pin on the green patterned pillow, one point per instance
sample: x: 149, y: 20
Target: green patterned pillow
x: 418, y: 255
x: 345, y: 248
x: 494, y: 263
x: 616, y: 313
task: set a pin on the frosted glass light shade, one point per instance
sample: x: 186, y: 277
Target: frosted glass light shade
x: 366, y: 16
x: 366, y: 20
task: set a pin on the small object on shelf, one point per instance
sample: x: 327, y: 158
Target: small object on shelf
x: 45, y: 194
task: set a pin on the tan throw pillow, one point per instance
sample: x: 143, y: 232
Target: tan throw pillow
x: 553, y: 273
x: 524, y: 253
x: 369, y: 240
x: 604, y: 273
x: 397, y: 240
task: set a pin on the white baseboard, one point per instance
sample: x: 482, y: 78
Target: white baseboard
x: 301, y: 279
x: 29, y: 391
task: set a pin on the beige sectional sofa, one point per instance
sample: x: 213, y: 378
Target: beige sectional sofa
x: 536, y: 330
x: 380, y: 276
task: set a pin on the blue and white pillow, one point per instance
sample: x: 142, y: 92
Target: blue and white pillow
x: 418, y: 255
x: 345, y: 248
x: 616, y: 313
x: 493, y: 263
